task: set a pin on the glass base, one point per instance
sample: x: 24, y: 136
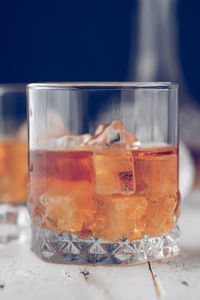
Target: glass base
x: 12, y: 220
x: 65, y: 247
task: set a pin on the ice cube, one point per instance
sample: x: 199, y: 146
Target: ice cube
x: 160, y: 214
x: 120, y: 217
x: 113, y: 133
x: 114, y: 172
x: 70, y: 211
x: 156, y: 179
x: 61, y: 213
x: 69, y: 141
x: 61, y: 186
x: 156, y: 173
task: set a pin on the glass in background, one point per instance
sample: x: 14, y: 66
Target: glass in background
x: 13, y: 160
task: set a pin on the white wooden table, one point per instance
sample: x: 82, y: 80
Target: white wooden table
x: 24, y: 276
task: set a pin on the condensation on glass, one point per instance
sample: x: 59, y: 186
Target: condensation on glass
x: 103, y: 172
x: 13, y: 160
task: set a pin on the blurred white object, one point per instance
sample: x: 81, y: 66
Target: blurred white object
x: 186, y: 171
x: 155, y: 56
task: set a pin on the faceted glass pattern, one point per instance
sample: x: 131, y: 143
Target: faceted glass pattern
x: 65, y: 247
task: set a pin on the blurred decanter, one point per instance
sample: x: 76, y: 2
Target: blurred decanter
x: 154, y: 56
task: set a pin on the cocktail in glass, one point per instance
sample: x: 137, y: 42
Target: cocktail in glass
x: 13, y: 159
x: 103, y: 172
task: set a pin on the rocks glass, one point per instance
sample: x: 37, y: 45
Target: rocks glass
x: 13, y: 160
x: 103, y: 171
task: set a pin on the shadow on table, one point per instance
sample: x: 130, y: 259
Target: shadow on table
x: 188, y: 259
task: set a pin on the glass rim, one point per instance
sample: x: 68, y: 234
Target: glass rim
x: 102, y: 85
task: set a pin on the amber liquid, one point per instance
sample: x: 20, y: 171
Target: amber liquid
x: 13, y: 171
x: 105, y: 194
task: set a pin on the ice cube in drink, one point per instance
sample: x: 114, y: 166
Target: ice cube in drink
x: 61, y: 190
x: 150, y: 209
x: 156, y: 173
x: 114, y: 172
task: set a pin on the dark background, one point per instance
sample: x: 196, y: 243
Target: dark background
x: 83, y: 41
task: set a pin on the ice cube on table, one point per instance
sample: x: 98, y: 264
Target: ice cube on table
x: 69, y: 141
x: 114, y: 172
x: 112, y: 134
